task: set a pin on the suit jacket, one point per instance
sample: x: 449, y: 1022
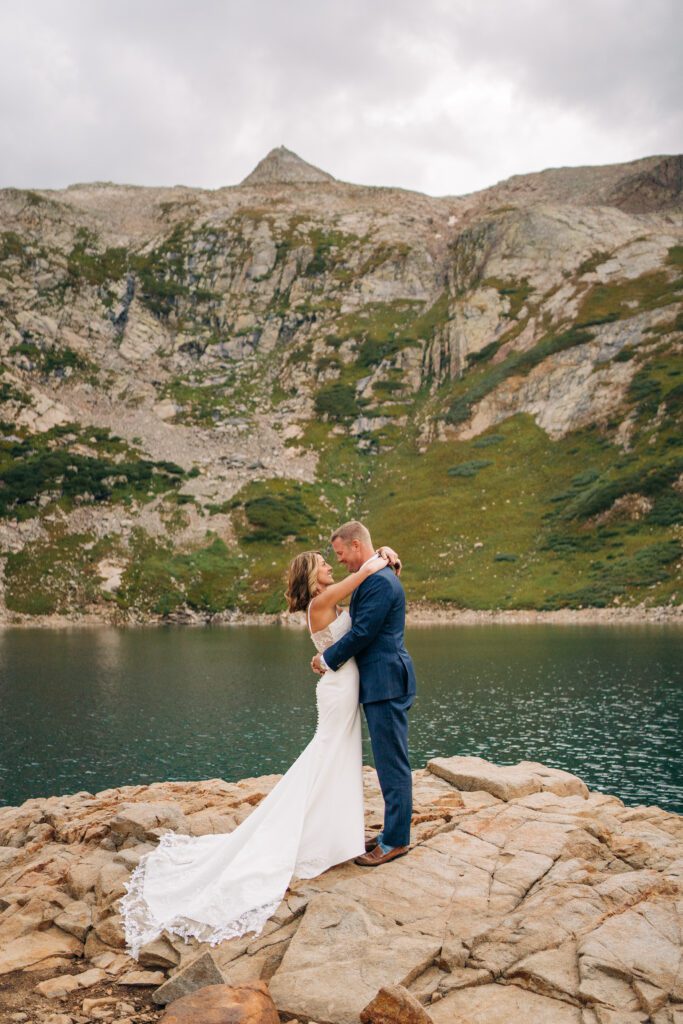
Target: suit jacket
x: 375, y: 640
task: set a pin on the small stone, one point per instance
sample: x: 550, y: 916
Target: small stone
x: 88, y: 1005
x: 197, y: 974
x: 103, y: 960
x: 110, y: 931
x: 159, y: 953
x: 57, y: 988
x: 76, y: 918
x: 90, y: 977
x: 394, y: 1004
x: 142, y: 978
x: 113, y: 963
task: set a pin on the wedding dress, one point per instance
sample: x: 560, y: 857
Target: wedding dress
x: 217, y: 887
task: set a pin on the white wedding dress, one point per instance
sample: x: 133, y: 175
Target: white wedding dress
x: 216, y: 887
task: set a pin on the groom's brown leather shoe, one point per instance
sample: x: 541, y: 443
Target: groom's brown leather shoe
x: 376, y: 857
x: 370, y: 844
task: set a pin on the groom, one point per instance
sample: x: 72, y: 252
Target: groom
x: 387, y: 685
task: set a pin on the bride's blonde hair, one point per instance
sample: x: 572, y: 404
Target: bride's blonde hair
x: 302, y: 584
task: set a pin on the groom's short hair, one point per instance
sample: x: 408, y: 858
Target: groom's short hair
x: 352, y: 530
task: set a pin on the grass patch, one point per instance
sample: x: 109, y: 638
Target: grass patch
x: 277, y: 510
x: 206, y: 404
x: 516, y: 292
x: 11, y: 246
x: 497, y: 540
x: 484, y: 354
x: 592, y: 263
x: 619, y: 300
x: 329, y: 251
x: 85, y: 264
x: 644, y: 568
x: 56, y: 575
x: 385, y: 252
x: 51, y: 360
x: 160, y: 580
x: 337, y: 401
x: 469, y: 468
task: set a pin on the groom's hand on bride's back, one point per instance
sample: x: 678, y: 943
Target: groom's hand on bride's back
x: 316, y: 666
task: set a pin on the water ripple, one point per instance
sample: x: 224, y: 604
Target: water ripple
x: 89, y: 709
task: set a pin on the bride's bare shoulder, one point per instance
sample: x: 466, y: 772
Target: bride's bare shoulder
x: 320, y: 616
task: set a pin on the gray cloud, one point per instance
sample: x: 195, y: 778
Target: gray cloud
x: 444, y: 96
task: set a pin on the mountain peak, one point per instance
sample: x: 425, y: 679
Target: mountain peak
x: 283, y: 167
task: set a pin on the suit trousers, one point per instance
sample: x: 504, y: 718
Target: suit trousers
x: 388, y: 726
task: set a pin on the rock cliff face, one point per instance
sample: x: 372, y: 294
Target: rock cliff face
x: 224, y: 375
x: 524, y: 897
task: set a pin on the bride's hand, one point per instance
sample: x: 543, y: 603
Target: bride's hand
x: 392, y: 558
x: 377, y: 562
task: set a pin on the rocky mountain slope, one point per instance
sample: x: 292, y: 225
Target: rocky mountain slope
x: 194, y: 385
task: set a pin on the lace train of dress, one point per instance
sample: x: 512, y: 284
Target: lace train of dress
x: 216, y: 887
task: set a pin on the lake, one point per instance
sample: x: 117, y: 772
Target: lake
x: 90, y: 708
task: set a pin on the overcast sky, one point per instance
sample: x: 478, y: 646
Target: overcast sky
x: 443, y: 96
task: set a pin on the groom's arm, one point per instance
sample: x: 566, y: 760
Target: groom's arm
x: 372, y: 607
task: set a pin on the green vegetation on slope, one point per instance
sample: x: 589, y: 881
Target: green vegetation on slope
x: 453, y: 524
x: 39, y: 470
x: 508, y: 519
x: 56, y: 574
x: 53, y: 359
x: 160, y: 580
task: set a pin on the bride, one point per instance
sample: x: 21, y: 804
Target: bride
x: 217, y: 887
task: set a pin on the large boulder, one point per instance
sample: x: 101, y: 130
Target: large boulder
x: 143, y: 821
x: 506, y: 782
x: 223, y: 1004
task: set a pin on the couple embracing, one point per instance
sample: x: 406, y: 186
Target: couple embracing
x: 216, y: 887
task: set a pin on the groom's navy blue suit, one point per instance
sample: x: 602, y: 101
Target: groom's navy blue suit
x: 387, y: 690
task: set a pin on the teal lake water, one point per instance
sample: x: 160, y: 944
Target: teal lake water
x: 85, y: 709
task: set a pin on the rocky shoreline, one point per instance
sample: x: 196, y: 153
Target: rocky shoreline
x: 525, y: 897
x: 418, y: 614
